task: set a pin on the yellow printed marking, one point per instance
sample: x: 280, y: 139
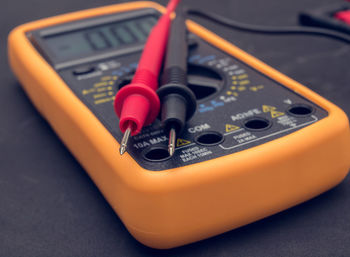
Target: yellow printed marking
x: 235, y: 94
x: 233, y: 87
x: 100, y: 84
x: 230, y: 127
x: 272, y: 111
x: 88, y: 91
x: 234, y: 82
x: 243, y: 76
x: 115, y: 77
x: 104, y: 100
x: 111, y: 83
x: 100, y: 95
x: 256, y: 88
x: 244, y: 82
x: 102, y: 89
x: 241, y: 88
x: 228, y: 93
x: 110, y: 93
x: 234, y: 77
x: 182, y: 142
x: 106, y: 78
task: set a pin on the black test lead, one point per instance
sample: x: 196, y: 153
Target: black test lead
x: 177, y: 100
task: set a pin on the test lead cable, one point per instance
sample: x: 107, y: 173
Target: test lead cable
x: 137, y: 104
x: 177, y: 100
x: 264, y: 29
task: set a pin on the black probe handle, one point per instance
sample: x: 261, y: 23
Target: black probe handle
x: 175, y: 66
x: 178, y: 101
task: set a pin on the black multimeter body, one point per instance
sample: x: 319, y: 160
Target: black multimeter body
x: 237, y: 105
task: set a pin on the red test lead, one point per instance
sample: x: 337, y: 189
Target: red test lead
x: 137, y: 104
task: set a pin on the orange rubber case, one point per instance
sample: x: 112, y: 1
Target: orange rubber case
x: 169, y: 208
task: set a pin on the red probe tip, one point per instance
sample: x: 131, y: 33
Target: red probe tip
x: 137, y: 104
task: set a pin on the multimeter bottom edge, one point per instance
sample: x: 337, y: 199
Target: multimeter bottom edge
x: 220, y: 206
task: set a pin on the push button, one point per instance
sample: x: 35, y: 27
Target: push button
x: 83, y: 70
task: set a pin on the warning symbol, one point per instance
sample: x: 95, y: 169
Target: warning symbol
x: 275, y: 114
x: 272, y: 110
x: 267, y: 108
x: 182, y: 142
x: 230, y: 127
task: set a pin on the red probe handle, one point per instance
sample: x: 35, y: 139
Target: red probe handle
x: 153, y: 53
x: 137, y: 104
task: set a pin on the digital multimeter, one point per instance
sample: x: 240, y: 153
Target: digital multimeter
x: 258, y: 143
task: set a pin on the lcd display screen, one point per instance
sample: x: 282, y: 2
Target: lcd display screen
x: 92, y: 40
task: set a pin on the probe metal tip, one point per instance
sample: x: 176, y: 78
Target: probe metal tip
x: 172, y: 139
x: 125, y: 140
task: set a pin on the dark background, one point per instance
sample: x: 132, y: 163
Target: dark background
x: 50, y: 207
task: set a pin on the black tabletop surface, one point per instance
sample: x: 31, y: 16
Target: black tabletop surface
x: 50, y: 207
